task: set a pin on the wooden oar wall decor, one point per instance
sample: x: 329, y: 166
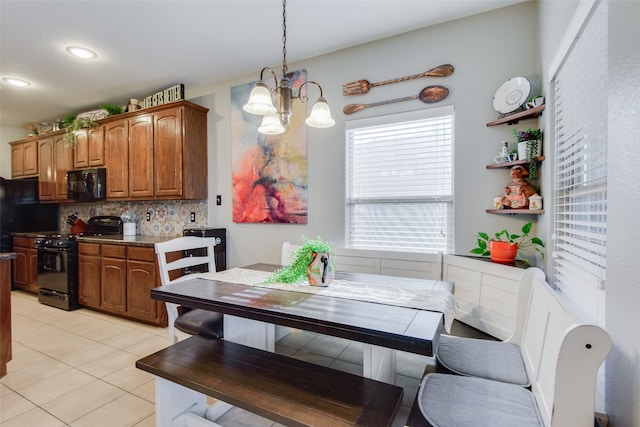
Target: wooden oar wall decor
x: 429, y: 94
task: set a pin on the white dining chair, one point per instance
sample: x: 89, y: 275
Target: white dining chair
x: 286, y: 253
x: 174, y: 256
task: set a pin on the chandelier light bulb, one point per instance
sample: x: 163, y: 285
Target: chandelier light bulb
x: 320, y: 116
x: 271, y: 125
x: 260, y: 101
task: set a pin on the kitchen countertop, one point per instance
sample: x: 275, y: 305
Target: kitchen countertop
x: 6, y: 256
x: 136, y: 240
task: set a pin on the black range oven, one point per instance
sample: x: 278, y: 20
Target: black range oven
x: 58, y: 271
x: 58, y: 262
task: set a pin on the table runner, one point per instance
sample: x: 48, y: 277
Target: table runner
x: 396, y: 294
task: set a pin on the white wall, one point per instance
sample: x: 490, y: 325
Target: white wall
x: 485, y: 50
x: 8, y: 134
x: 623, y: 234
x: 623, y: 288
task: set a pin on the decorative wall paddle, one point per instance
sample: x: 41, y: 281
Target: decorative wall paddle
x: 361, y: 87
x: 428, y: 95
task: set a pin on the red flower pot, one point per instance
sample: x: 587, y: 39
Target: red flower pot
x: 503, y: 252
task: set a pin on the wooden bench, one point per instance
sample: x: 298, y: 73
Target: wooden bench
x: 286, y: 390
x: 561, y: 356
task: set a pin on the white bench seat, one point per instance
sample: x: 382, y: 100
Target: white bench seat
x: 561, y: 356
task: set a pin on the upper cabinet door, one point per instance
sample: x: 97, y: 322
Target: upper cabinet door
x: 47, y: 175
x: 141, y: 156
x: 116, y: 148
x: 24, y: 159
x: 89, y: 150
x: 167, y: 153
x: 63, y: 157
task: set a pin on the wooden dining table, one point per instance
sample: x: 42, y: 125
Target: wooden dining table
x: 251, y: 313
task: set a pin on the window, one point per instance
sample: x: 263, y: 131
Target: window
x: 399, y: 193
x: 580, y: 172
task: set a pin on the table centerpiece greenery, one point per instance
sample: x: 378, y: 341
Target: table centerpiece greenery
x: 297, y: 271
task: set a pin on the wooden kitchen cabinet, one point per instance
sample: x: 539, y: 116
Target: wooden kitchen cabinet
x: 117, y: 279
x: 46, y: 174
x: 25, y: 271
x: 63, y: 158
x: 158, y: 155
x: 141, y: 148
x: 56, y: 158
x: 113, y: 278
x: 167, y: 152
x: 180, y: 153
x: 89, y: 284
x: 116, y: 141
x: 24, y: 159
x: 142, y: 276
x: 89, y: 149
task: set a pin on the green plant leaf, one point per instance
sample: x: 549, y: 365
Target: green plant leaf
x: 537, y: 241
x: 479, y: 251
x: 482, y: 244
x: 485, y: 236
x: 526, y: 228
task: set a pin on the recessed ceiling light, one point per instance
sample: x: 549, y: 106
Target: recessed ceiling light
x: 81, y: 52
x: 16, y: 82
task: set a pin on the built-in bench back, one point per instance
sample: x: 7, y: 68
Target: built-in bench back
x: 562, y: 355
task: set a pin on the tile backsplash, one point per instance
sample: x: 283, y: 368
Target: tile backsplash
x: 166, y: 218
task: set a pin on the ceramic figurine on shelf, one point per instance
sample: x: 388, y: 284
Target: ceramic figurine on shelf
x: 519, y: 190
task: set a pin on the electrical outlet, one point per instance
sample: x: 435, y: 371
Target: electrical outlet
x: 193, y: 217
x: 218, y: 200
x: 148, y: 216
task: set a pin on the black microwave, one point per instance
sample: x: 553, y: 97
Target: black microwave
x: 87, y: 184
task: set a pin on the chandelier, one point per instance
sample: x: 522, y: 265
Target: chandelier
x: 276, y: 120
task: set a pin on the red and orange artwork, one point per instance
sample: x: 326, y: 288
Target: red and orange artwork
x: 269, y: 172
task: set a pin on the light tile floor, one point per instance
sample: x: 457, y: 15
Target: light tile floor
x: 78, y: 368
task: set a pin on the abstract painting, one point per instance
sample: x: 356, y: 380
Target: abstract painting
x: 269, y: 172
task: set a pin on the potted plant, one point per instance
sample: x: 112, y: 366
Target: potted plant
x: 75, y: 126
x: 529, y: 148
x: 303, y: 256
x: 112, y: 109
x: 503, y: 247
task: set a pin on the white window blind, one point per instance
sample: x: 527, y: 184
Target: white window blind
x: 399, y: 193
x: 580, y: 193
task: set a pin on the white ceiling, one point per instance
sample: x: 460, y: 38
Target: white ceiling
x: 147, y: 45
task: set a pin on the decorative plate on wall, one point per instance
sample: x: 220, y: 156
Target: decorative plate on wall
x: 512, y: 95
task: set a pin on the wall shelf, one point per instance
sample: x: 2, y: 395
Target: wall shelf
x: 509, y: 165
x: 515, y: 211
x: 522, y: 115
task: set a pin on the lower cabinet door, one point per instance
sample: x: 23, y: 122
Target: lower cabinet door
x: 114, y: 284
x: 89, y: 280
x: 141, y: 278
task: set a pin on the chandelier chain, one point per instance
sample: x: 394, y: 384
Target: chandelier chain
x: 284, y: 38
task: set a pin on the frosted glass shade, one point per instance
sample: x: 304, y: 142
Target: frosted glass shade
x: 260, y: 101
x: 320, y: 116
x: 271, y: 125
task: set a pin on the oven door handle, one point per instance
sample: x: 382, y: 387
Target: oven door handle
x: 52, y: 294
